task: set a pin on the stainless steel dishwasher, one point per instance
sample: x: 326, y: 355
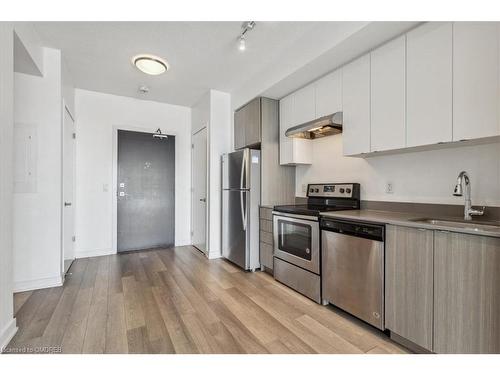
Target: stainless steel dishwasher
x: 353, y: 268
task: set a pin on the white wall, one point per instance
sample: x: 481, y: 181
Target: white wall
x: 31, y: 44
x: 214, y: 111
x: 423, y: 177
x: 219, y: 143
x: 68, y: 88
x: 98, y: 116
x: 7, y: 322
x: 37, y: 214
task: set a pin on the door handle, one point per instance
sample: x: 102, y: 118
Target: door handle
x: 66, y: 204
x: 203, y: 199
x: 243, y: 168
x: 243, y: 211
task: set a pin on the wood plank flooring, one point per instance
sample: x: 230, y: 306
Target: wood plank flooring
x: 177, y: 301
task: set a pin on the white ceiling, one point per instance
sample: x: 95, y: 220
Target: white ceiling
x: 202, y: 55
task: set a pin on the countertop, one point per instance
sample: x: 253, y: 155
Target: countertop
x: 270, y: 206
x: 406, y: 219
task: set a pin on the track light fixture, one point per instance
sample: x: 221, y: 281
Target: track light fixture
x: 245, y: 27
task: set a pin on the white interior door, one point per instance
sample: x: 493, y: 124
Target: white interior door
x: 68, y: 203
x: 199, y: 193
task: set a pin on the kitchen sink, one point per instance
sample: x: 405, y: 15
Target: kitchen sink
x: 457, y: 223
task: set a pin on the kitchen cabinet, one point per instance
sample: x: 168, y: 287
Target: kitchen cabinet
x: 388, y: 92
x: 292, y: 150
x: 429, y: 84
x: 466, y: 293
x: 266, y: 237
x: 277, y: 181
x: 247, y: 125
x: 356, y: 106
x: 257, y: 125
x: 409, y: 283
x: 304, y: 108
x: 475, y: 80
x: 239, y: 130
x: 328, y: 94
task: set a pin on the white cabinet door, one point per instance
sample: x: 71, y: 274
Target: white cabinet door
x: 304, y: 108
x: 475, y: 80
x: 388, y: 117
x: 286, y: 144
x: 429, y: 84
x: 329, y: 94
x: 356, y: 106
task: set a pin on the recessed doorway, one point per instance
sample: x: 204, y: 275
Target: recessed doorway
x: 145, y: 191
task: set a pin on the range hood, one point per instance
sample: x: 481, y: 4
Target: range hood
x: 321, y: 127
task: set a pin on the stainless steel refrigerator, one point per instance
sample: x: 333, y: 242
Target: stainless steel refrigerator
x: 240, y: 208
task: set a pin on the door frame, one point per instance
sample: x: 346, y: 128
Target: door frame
x: 65, y: 108
x: 207, y: 187
x: 114, y: 190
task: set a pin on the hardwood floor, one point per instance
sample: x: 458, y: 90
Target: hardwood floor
x: 177, y: 301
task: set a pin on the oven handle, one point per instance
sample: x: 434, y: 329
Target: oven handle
x: 292, y: 217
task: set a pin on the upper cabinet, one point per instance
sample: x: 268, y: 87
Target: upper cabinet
x: 247, y: 123
x: 475, y: 80
x: 388, y: 94
x: 356, y: 106
x: 294, y: 150
x: 304, y: 105
x: 439, y: 83
x: 329, y: 94
x: 429, y: 84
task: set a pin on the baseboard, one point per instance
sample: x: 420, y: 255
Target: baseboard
x: 7, y: 334
x: 214, y: 255
x: 47, y: 282
x: 94, y: 253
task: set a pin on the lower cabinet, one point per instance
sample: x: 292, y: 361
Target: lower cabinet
x: 408, y: 283
x: 442, y: 289
x: 266, y: 237
x: 466, y: 293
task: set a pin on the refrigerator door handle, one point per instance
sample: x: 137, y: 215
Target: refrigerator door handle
x: 243, y: 168
x: 243, y: 211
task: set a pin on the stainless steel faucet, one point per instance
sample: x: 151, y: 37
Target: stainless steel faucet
x: 464, y: 180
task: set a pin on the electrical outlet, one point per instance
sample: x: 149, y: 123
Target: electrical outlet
x: 389, y: 188
x: 304, y: 188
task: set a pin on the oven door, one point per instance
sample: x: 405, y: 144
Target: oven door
x: 296, y: 240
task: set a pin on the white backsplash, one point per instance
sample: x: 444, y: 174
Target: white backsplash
x: 423, y: 177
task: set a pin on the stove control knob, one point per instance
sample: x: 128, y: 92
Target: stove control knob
x: 316, y: 190
x: 348, y: 191
x: 311, y: 190
x: 341, y: 190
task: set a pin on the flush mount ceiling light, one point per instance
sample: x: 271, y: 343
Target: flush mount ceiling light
x: 245, y: 27
x: 150, y: 64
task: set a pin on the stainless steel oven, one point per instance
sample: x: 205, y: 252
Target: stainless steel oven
x: 297, y: 252
x: 296, y: 240
x: 296, y: 233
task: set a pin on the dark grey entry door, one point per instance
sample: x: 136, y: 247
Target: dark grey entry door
x: 146, y: 181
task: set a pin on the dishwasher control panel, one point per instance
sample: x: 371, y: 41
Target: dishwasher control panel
x: 363, y: 230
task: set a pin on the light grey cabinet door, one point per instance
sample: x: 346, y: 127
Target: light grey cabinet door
x: 252, y: 118
x: 247, y: 124
x: 466, y: 293
x: 239, y: 129
x: 266, y: 237
x: 408, y: 283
